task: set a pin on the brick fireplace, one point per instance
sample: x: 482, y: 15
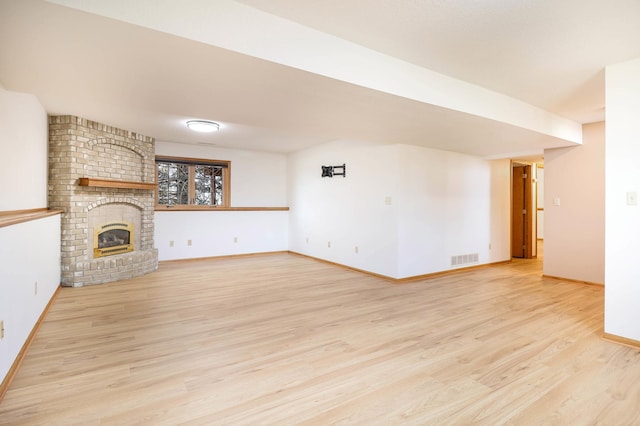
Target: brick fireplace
x: 102, y: 177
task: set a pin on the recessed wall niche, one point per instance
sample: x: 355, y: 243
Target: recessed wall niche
x: 80, y: 148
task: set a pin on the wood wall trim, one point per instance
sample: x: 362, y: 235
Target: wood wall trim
x: 224, y: 256
x: 407, y: 279
x: 110, y: 183
x: 186, y: 208
x: 572, y: 280
x: 14, y: 217
x: 450, y: 272
x: 19, y: 212
x: 635, y: 344
x: 4, y: 386
x: 373, y: 274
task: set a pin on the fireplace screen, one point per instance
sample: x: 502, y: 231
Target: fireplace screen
x: 112, y: 238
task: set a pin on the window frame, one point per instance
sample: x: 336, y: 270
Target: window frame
x: 192, y: 162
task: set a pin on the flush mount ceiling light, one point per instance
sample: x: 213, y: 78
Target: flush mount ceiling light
x: 203, y: 126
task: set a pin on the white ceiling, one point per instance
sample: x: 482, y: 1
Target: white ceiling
x: 550, y: 54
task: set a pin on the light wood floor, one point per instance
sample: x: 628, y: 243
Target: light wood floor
x: 282, y: 339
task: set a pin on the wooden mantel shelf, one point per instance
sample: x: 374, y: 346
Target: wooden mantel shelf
x: 109, y: 183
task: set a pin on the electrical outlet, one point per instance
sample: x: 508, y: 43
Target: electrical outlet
x: 189, y: 242
x: 1, y: 330
x: 171, y: 243
x: 307, y: 240
x: 235, y: 239
x: 328, y: 244
x: 356, y: 249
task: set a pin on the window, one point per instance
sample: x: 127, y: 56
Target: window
x: 189, y: 183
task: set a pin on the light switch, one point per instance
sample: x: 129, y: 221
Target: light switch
x: 632, y: 198
x: 556, y: 201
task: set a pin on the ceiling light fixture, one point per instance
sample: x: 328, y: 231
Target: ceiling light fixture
x: 203, y: 126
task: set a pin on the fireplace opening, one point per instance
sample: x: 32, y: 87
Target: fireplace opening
x: 112, y: 238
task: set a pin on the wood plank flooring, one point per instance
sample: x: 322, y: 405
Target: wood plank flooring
x: 283, y: 339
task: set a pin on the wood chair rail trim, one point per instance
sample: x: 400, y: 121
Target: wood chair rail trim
x: 14, y: 217
x: 187, y: 208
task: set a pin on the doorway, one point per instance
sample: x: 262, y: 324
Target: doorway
x: 523, y: 211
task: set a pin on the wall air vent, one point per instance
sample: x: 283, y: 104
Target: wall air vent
x: 464, y: 259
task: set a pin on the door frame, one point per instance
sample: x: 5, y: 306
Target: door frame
x: 531, y: 207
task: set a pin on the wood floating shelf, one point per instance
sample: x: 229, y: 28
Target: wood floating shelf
x: 109, y: 183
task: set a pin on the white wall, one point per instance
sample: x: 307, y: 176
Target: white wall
x: 29, y: 251
x: 574, y: 230
x: 219, y: 233
x: 446, y: 210
x: 258, y: 179
x: 23, y: 150
x: 346, y: 212
x: 407, y: 209
x: 500, y: 220
x: 622, y: 268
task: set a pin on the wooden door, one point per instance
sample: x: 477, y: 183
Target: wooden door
x: 521, y: 213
